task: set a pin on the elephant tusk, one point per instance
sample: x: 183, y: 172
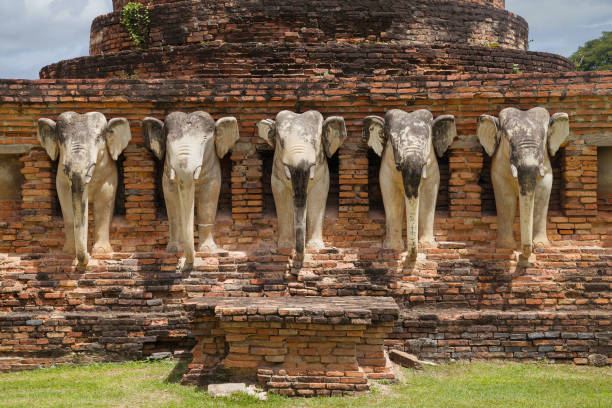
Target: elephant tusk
x: 542, y: 170
x: 312, y: 172
x: 287, y: 173
x: 514, y: 171
x: 89, y: 174
x: 424, y: 174
x: 196, y: 174
x: 172, y: 174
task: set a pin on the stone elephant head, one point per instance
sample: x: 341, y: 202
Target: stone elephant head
x: 87, y: 146
x: 521, y: 144
x: 191, y: 146
x: 300, y: 174
x: 409, y: 174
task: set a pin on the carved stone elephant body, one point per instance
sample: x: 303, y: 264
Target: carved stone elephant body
x: 192, y: 146
x: 521, y: 144
x: 300, y: 173
x: 87, y: 147
x: 409, y: 173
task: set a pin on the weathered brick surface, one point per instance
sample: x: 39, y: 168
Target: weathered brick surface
x: 482, y: 334
x: 49, y: 336
x: 269, y: 60
x: 141, y: 279
x: 318, y: 21
x: 294, y: 346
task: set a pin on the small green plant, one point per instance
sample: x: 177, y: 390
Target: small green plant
x: 136, y: 21
x: 516, y: 69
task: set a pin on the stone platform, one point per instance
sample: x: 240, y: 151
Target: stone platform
x: 302, y: 346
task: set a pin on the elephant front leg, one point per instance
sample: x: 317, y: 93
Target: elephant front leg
x: 393, y: 200
x: 64, y: 194
x: 104, y: 206
x: 506, y: 204
x: 428, y: 194
x: 315, y: 213
x: 283, y: 200
x: 171, y: 200
x: 540, y: 213
x: 208, y: 200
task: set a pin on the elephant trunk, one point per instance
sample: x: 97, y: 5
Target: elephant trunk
x: 299, y: 179
x: 186, y: 192
x: 80, y: 213
x: 411, y: 177
x: 527, y: 180
x: 412, y: 226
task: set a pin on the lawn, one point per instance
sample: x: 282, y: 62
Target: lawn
x: 473, y: 385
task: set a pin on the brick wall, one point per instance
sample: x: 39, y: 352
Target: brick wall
x: 253, y: 60
x: 466, y: 272
x: 317, y: 21
x: 565, y: 336
x: 118, y: 4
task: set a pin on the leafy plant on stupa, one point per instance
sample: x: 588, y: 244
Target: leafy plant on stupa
x: 136, y: 21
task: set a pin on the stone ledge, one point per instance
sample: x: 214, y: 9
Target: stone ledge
x: 318, y: 310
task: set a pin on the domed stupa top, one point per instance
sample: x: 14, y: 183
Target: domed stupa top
x: 271, y: 38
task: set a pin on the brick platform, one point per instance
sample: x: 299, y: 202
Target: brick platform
x: 303, y: 346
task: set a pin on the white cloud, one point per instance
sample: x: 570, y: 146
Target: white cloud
x: 35, y: 33
x: 561, y: 26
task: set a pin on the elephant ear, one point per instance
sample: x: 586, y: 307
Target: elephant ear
x: 488, y: 133
x: 558, y: 131
x: 154, y: 136
x: 226, y: 135
x: 267, y: 131
x: 374, y: 133
x: 118, y: 135
x: 444, y: 132
x: 48, y: 137
x: 334, y: 134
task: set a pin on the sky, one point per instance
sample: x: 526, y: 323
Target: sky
x: 35, y: 33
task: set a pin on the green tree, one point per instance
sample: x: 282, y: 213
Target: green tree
x: 595, y: 55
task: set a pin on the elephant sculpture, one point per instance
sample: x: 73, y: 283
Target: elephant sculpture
x: 521, y: 144
x: 88, y: 147
x: 300, y: 173
x: 409, y: 173
x: 192, y: 146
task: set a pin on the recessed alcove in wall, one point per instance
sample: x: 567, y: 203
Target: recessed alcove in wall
x: 56, y: 208
x: 160, y: 203
x: 11, y: 178
x: 225, y: 197
x: 604, y: 178
x: 11, y: 182
x: 267, y: 158
x: 487, y: 197
x: 377, y: 208
x: 556, y: 163
x: 333, y: 198
x: 120, y: 195
x: 443, y: 202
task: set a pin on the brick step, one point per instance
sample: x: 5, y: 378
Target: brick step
x: 279, y: 60
x: 510, y: 334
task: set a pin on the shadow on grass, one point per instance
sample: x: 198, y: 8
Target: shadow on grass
x: 176, y: 375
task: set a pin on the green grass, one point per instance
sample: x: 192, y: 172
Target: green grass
x: 148, y: 384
